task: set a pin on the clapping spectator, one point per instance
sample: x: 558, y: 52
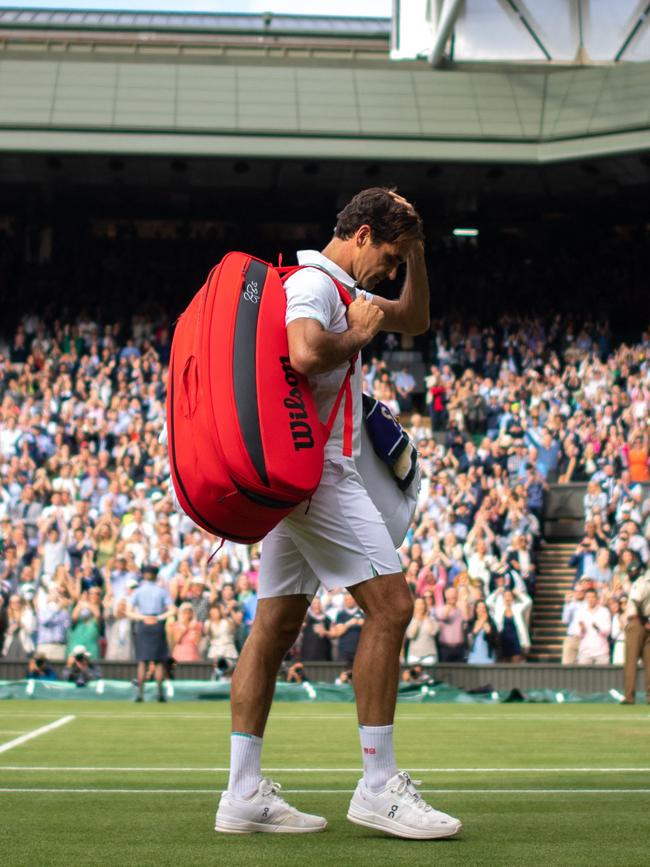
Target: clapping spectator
x: 482, y: 636
x: 187, y: 635
x: 21, y: 624
x: 594, y: 623
x: 421, y: 636
x: 509, y: 609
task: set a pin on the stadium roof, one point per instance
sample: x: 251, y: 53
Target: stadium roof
x: 267, y: 23
x: 231, y: 98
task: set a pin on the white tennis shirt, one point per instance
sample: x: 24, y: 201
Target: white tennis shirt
x: 311, y: 294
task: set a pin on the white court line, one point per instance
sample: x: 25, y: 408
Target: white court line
x: 7, y: 790
x: 224, y: 769
x: 141, y: 715
x: 16, y: 742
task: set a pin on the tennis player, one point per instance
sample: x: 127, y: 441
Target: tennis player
x: 341, y: 540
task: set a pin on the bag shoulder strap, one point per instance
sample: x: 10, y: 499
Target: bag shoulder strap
x: 345, y: 391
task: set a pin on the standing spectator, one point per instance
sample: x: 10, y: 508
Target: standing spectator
x: 453, y: 622
x: 574, y: 602
x: 509, y: 609
x: 637, y: 637
x: 436, y: 400
x: 404, y: 387
x: 53, y: 624
x: 86, y: 621
x: 617, y: 633
x: 316, y: 640
x: 347, y: 629
x: 21, y: 622
x: 638, y: 458
x: 187, y: 635
x: 595, y: 624
x: 150, y: 606
x: 421, y: 636
x: 483, y: 637
x: 119, y: 631
x: 219, y: 632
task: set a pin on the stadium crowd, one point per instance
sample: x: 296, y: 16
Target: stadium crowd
x: 506, y: 410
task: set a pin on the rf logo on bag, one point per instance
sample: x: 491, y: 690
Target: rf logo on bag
x: 252, y: 292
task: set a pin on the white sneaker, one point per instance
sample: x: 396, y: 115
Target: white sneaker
x: 401, y: 811
x: 265, y: 811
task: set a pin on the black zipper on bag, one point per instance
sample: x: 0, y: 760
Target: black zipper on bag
x: 263, y: 500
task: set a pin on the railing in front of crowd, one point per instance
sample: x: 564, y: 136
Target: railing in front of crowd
x: 579, y: 678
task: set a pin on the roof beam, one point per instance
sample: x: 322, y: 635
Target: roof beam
x: 538, y: 42
x: 640, y: 23
x: 448, y: 18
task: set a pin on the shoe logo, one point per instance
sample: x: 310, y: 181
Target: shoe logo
x: 265, y: 813
x: 252, y: 293
x: 392, y: 811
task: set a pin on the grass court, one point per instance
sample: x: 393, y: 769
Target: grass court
x: 123, y: 784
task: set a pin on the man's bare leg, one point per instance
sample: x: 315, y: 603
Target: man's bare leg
x: 388, y: 606
x: 275, y: 628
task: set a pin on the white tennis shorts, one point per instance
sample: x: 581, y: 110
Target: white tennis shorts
x: 339, y: 541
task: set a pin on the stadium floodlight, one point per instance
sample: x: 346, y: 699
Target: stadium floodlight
x: 465, y: 233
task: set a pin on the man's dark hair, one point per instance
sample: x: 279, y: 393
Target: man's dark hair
x: 388, y: 219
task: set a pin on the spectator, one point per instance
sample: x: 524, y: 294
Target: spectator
x: 53, y: 624
x: 316, y: 634
x: 21, y: 622
x: 347, y: 628
x: 595, y: 624
x: 508, y: 609
x: 119, y: 631
x: 219, y: 632
x: 86, y: 619
x: 452, y: 633
x: 574, y: 602
x: 483, y: 637
x: 421, y: 636
x: 187, y: 635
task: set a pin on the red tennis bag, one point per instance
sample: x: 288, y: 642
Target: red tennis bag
x: 244, y: 437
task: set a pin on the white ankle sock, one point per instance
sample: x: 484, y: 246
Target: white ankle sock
x: 245, y: 764
x: 378, y: 757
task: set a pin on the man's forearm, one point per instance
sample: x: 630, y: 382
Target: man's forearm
x: 414, y: 297
x: 327, y: 350
x: 410, y: 313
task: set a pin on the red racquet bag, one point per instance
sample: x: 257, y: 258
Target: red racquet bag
x: 244, y: 437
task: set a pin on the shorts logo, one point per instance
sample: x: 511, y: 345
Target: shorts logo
x: 300, y: 430
x: 252, y: 292
x: 370, y: 751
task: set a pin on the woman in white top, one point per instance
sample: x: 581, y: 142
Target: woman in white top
x: 421, y: 635
x: 21, y: 626
x: 119, y: 631
x: 219, y: 633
